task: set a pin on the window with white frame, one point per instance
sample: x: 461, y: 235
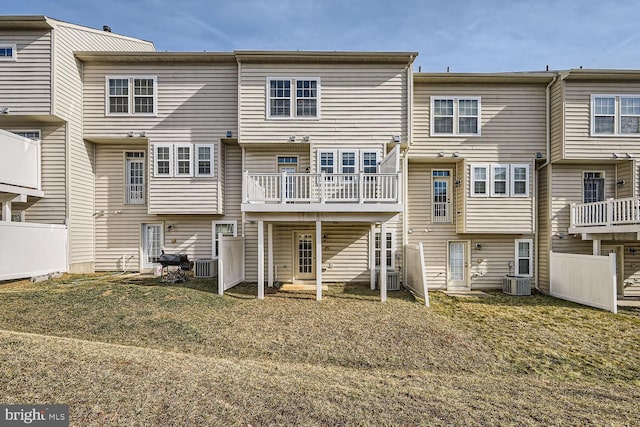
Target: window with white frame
x: 348, y: 161
x: 326, y: 161
x: 163, y: 159
x: 204, y: 159
x: 370, y: 161
x: 615, y: 115
x: 499, y: 180
x: 127, y: 95
x: 455, y: 115
x: 184, y: 160
x: 519, y: 180
x: 293, y: 98
x: 390, y: 249
x: 8, y: 52
x: 227, y: 229
x: 479, y: 180
x: 524, y: 257
x: 30, y: 134
x: 134, y: 176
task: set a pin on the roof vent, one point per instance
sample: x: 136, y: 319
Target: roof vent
x: 106, y: 28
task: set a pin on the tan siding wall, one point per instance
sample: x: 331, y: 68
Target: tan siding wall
x: 358, y: 103
x: 543, y: 228
x: 197, y: 104
x: 624, y: 172
x: 68, y: 92
x: 52, y: 208
x: 25, y: 85
x: 487, y: 265
x: 513, y: 123
x: 233, y: 184
x: 579, y: 144
x: 266, y: 161
x: 557, y: 120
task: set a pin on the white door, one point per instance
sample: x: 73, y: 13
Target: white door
x: 304, y: 255
x: 151, y: 244
x: 441, y: 212
x: 619, y: 251
x: 458, y: 265
x: 135, y: 182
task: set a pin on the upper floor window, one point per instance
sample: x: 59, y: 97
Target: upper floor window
x: 131, y: 95
x: 592, y: 186
x: 500, y: 180
x: 293, y: 98
x: 183, y: 160
x: 455, y: 115
x: 8, y: 52
x: 204, y: 160
x: 615, y: 114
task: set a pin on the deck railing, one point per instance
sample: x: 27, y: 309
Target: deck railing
x: 607, y: 212
x: 321, y: 188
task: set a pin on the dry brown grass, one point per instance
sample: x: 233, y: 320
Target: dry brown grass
x: 127, y: 351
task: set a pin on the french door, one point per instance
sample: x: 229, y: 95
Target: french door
x: 458, y: 264
x: 151, y: 244
x: 304, y: 254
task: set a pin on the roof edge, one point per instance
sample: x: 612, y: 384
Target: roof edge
x: 512, y: 77
x: 324, y: 56
x: 135, y: 56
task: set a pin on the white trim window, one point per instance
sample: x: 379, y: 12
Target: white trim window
x: 8, y: 52
x: 500, y: 180
x: 520, y: 180
x: 391, y: 262
x: 184, y: 160
x: 127, y: 95
x: 204, y: 159
x: 615, y: 115
x: 134, y: 175
x: 479, y: 180
x: 349, y: 161
x: 227, y: 229
x: 289, y: 98
x: 452, y: 116
x: 369, y: 161
x: 163, y: 160
x: 524, y: 257
x: 327, y: 161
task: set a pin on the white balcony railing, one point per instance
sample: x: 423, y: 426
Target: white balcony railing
x: 19, y: 161
x: 321, y: 188
x: 608, y: 212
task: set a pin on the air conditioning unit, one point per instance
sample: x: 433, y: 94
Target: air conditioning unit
x: 516, y: 285
x: 205, y: 268
x: 393, y: 280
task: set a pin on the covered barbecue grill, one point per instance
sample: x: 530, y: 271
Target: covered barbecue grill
x: 181, y: 265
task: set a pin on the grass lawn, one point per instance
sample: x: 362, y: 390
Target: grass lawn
x: 129, y: 351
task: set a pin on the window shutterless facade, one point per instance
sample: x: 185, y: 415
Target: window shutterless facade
x: 615, y: 115
x: 163, y: 160
x: 131, y: 95
x: 390, y: 250
x: 592, y: 186
x: 293, y: 98
x: 524, y: 257
x: 204, y: 160
x: 8, y: 52
x: 451, y: 115
x: 500, y: 180
x: 184, y: 160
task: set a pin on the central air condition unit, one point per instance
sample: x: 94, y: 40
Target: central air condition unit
x: 393, y: 280
x: 205, y: 268
x: 516, y: 285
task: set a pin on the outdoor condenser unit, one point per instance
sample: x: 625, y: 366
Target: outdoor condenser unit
x: 205, y: 268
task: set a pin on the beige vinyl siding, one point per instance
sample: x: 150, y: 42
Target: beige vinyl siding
x: 197, y: 104
x: 624, y: 172
x: 68, y: 93
x: 579, y: 144
x: 118, y: 225
x: 544, y: 225
x: 25, y: 85
x: 557, y: 120
x: 344, y: 257
x: 357, y: 103
x: 631, y: 269
x: 266, y: 160
x: 232, y: 194
x: 52, y: 208
x: 512, y: 124
x: 487, y: 265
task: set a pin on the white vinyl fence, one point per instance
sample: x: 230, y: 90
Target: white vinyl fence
x: 585, y: 279
x: 30, y: 249
x: 416, y: 273
x: 230, y: 262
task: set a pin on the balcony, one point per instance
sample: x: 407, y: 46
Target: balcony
x: 607, y: 216
x: 305, y: 192
x: 19, y: 165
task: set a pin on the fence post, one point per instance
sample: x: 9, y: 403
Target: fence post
x: 573, y: 214
x: 283, y: 187
x: 321, y: 185
x: 360, y: 187
x: 610, y: 205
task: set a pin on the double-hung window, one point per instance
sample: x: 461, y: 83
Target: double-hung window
x: 163, y: 156
x: 452, y: 115
x: 519, y: 180
x: 131, y: 95
x: 615, y: 115
x: 8, y: 52
x: 390, y: 252
x: 204, y: 160
x: 500, y: 180
x: 326, y: 161
x: 524, y: 257
x: 184, y: 160
x: 293, y: 98
x: 479, y: 180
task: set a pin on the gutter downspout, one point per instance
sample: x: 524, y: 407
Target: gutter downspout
x: 405, y: 170
x: 537, y: 170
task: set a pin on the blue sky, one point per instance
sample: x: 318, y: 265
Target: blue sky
x: 466, y: 35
